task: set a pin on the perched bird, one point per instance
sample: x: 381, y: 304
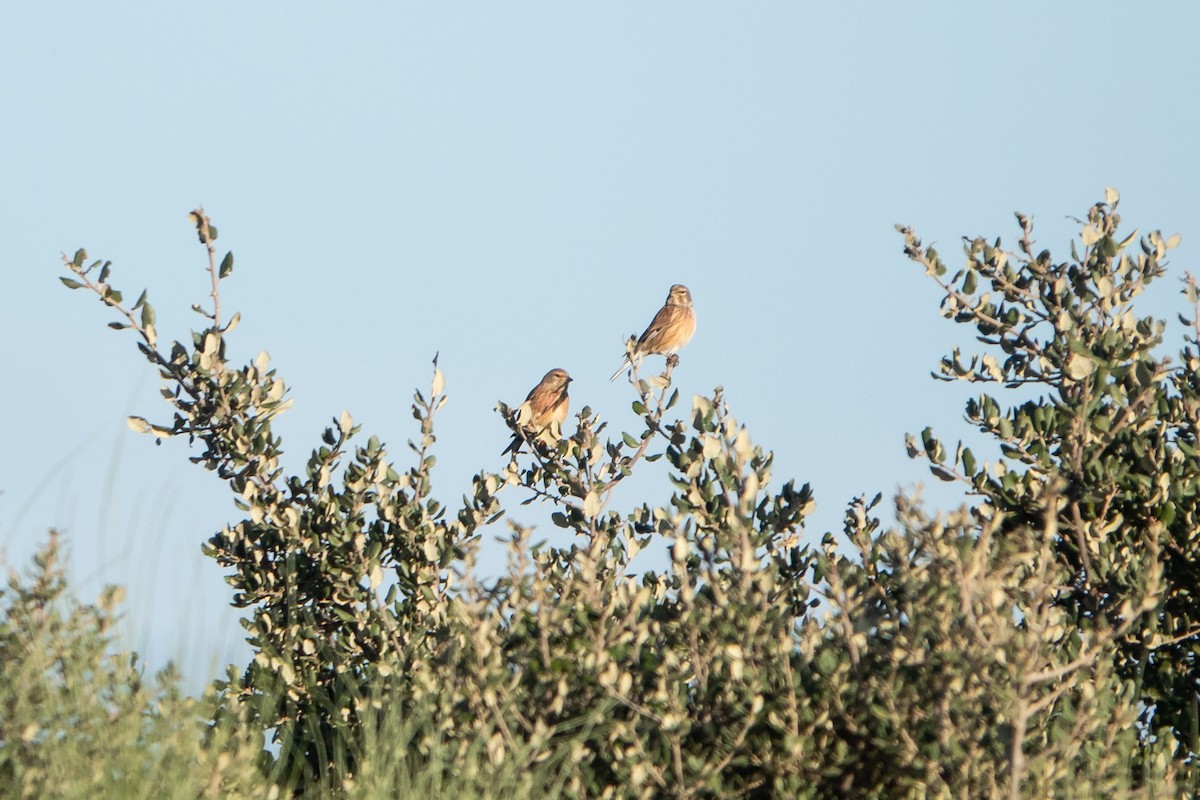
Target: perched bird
x: 671, y: 328
x: 545, y: 406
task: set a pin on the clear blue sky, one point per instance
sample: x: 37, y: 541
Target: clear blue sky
x: 516, y: 186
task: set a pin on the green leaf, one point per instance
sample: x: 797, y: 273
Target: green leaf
x: 226, y: 267
x: 80, y: 257
x: 827, y: 662
x: 71, y: 284
x: 970, y: 282
x: 942, y: 473
x: 147, y: 315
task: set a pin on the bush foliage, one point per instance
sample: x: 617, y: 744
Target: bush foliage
x: 1037, y: 642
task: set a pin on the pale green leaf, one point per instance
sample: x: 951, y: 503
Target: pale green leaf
x: 1080, y: 366
x: 591, y: 504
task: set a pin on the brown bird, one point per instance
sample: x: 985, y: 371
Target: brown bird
x: 545, y: 407
x: 671, y: 328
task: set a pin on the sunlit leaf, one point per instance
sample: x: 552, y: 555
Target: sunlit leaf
x: 591, y: 504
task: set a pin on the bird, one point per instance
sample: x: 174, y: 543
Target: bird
x: 671, y: 328
x: 545, y: 405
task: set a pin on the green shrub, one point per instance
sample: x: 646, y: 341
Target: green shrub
x: 1113, y: 435
x: 1035, y: 644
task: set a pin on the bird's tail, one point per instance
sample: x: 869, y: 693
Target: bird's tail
x: 624, y: 366
x: 518, y: 416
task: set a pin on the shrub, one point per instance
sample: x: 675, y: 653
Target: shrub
x: 1037, y: 642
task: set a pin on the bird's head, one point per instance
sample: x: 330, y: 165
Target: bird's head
x: 557, y: 378
x: 679, y: 296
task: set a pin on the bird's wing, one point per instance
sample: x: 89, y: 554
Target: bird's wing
x: 667, y: 318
